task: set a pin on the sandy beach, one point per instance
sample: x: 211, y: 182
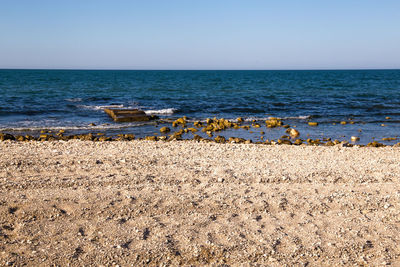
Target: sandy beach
x: 187, y: 203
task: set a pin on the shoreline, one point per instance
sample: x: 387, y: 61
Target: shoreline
x: 269, y: 132
x: 197, y: 203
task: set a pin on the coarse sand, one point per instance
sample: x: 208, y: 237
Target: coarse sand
x: 187, y: 203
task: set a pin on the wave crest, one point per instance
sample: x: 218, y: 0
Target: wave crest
x: 164, y: 111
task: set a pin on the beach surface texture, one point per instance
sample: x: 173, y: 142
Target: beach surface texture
x: 187, y: 203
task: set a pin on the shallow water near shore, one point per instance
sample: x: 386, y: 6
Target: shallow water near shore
x: 368, y: 100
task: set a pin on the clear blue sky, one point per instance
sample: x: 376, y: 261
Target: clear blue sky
x: 206, y: 34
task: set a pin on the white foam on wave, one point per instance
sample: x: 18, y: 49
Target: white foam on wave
x: 74, y: 99
x: 164, y: 111
x: 100, y: 107
x: 297, y: 118
x: 282, y: 118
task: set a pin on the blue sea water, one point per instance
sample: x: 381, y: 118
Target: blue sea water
x: 31, y: 100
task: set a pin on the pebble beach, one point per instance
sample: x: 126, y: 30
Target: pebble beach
x: 134, y: 203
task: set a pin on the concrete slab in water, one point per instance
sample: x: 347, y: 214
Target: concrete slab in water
x: 128, y: 115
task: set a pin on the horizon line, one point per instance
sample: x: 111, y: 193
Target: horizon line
x: 144, y: 69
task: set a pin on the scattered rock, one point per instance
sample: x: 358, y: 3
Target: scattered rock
x: 165, y: 130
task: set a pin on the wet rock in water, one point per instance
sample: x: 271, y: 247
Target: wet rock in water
x: 104, y: 138
x: 20, y: 138
x: 5, y: 136
x: 375, y: 144
x: 214, y: 125
x: 198, y: 124
x: 165, y: 130
x: 151, y: 138
x: 256, y: 125
x: 219, y: 139
x: 312, y: 123
x: 193, y: 130
x: 313, y: 142
x: 176, y: 136
x: 329, y: 143
x: 87, y: 137
x: 248, y: 141
x: 92, y: 124
x: 294, y: 132
x: 273, y: 122
x: 128, y: 115
x: 388, y: 118
x: 389, y: 138
x: 298, y: 142
x: 239, y: 120
x: 180, y: 121
x: 343, y: 122
x: 43, y: 137
x: 29, y: 137
x: 129, y: 137
x: 197, y: 137
x: 236, y: 140
x: 284, y: 142
x: 355, y: 138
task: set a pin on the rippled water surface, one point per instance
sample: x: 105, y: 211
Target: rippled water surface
x: 31, y: 100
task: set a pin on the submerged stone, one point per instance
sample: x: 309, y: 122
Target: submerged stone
x: 219, y: 139
x: 389, y: 138
x: 165, y: 130
x: 298, y: 142
x: 151, y: 138
x: 294, y: 132
x: 273, y: 122
x: 6, y: 136
x: 375, y: 144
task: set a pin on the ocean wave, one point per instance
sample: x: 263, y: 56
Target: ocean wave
x: 296, y: 118
x: 282, y: 118
x: 164, y: 111
x: 74, y: 99
x: 101, y: 107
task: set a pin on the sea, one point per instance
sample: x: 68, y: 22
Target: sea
x: 74, y: 100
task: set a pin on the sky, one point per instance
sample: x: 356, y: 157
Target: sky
x: 206, y: 34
